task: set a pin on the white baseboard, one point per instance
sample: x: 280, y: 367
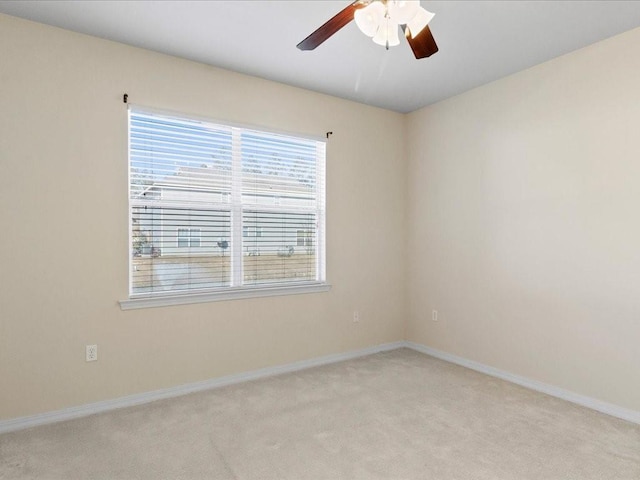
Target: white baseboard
x: 141, y: 398
x: 592, y: 403
x: 138, y: 399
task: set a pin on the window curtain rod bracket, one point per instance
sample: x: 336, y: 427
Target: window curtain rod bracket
x: 125, y: 98
x: 329, y: 133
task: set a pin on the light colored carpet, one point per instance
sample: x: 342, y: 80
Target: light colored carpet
x: 393, y: 415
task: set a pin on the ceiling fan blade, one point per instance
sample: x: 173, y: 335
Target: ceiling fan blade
x: 424, y: 45
x: 331, y: 26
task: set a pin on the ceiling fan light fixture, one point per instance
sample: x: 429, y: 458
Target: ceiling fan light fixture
x: 420, y: 20
x: 369, y: 18
x: 378, y: 19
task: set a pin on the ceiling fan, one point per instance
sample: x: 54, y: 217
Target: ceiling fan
x: 380, y: 19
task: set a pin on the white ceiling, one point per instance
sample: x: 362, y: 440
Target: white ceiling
x: 479, y: 41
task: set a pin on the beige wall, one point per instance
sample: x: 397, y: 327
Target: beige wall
x: 524, y: 231
x: 63, y: 211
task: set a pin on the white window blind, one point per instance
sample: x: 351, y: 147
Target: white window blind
x: 216, y: 207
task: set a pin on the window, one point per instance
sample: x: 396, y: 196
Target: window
x: 217, y: 208
x: 188, y: 237
x: 248, y: 231
x: 305, y: 238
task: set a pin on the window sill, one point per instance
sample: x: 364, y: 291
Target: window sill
x: 227, y: 294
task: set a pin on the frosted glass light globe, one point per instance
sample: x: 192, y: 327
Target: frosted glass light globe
x: 368, y: 19
x: 387, y: 34
x: 419, y: 21
x: 402, y: 11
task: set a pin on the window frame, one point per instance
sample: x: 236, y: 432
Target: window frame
x: 242, y: 291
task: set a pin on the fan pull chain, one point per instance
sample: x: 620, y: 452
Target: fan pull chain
x: 386, y: 16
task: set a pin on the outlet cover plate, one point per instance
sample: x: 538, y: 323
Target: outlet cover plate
x: 91, y: 352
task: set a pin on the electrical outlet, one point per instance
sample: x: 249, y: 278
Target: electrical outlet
x: 434, y: 315
x: 356, y: 316
x: 91, y: 352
